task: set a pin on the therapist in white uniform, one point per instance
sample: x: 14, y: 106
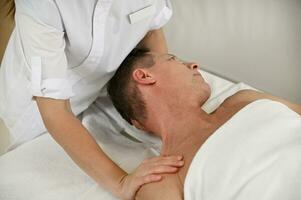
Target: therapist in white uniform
x: 57, y: 62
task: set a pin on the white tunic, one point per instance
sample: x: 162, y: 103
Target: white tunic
x: 68, y: 50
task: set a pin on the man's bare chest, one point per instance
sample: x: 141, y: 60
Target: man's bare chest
x: 223, y: 114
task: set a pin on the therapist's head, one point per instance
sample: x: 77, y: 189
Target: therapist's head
x: 147, y: 81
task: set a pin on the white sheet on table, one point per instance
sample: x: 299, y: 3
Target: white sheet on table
x: 255, y: 155
x: 41, y: 170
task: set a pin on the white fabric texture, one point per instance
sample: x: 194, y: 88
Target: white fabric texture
x: 40, y: 169
x: 66, y: 50
x: 254, y: 155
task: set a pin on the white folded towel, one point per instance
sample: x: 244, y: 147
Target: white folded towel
x: 253, y: 156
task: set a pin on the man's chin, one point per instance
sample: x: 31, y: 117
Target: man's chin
x: 207, y: 90
x: 205, y: 93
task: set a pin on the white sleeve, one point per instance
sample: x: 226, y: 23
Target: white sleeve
x: 163, y: 16
x: 43, y: 46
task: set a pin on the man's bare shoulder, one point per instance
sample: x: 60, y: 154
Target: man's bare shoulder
x: 244, y: 97
x: 169, y: 188
x: 241, y: 98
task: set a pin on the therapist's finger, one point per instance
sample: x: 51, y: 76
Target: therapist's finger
x: 149, y: 169
x: 169, y: 161
x: 163, y: 159
x: 174, y: 163
x: 149, y: 179
x: 162, y: 169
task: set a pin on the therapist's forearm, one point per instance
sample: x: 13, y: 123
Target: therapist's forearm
x: 155, y: 41
x: 68, y: 131
x: 83, y: 149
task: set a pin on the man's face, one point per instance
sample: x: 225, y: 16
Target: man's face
x: 180, y: 79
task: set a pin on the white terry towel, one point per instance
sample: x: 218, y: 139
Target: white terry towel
x: 256, y: 155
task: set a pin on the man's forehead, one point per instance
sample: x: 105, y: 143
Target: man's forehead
x: 160, y: 56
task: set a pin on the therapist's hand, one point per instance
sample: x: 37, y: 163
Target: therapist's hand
x: 148, y: 171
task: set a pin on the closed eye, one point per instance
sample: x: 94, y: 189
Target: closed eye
x: 172, y: 57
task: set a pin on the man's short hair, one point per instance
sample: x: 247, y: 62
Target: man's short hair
x: 122, y: 90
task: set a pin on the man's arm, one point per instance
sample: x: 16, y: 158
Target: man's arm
x: 170, y: 188
x: 252, y: 95
x: 155, y: 41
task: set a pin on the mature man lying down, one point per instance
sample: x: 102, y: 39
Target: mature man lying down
x: 248, y: 148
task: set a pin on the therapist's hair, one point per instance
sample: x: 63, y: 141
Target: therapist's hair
x: 122, y: 90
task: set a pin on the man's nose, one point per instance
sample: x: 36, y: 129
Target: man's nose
x: 192, y: 66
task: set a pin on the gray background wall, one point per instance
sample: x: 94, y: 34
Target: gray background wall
x: 254, y: 41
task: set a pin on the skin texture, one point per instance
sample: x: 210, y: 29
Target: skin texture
x: 173, y: 92
x: 68, y: 132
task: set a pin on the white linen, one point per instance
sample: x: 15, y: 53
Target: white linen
x: 41, y: 170
x: 255, y: 155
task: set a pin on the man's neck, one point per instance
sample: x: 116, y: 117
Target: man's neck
x: 184, y: 132
x: 187, y: 127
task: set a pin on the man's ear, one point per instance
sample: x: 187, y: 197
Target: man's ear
x: 138, y: 125
x: 143, y: 76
